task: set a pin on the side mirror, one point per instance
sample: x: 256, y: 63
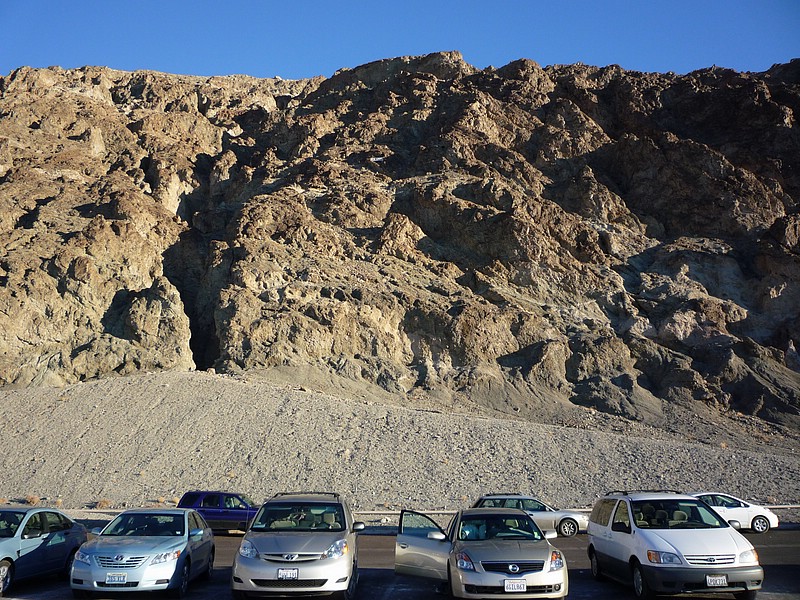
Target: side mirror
x: 550, y: 534
x: 358, y: 526
x: 96, y: 530
x: 620, y: 527
x: 196, y: 532
x: 436, y: 535
x: 32, y: 533
x: 735, y: 524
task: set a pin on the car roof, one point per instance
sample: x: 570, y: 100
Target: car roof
x: 650, y: 495
x: 25, y: 509
x: 493, y: 510
x: 328, y: 497
x: 167, y: 510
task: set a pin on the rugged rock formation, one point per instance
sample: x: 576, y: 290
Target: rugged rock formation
x: 529, y: 239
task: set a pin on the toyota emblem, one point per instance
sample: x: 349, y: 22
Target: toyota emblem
x: 290, y: 557
x: 119, y: 558
x: 513, y: 568
x: 711, y: 559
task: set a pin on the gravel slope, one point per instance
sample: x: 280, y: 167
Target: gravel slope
x: 132, y: 441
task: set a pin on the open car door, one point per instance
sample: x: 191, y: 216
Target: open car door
x: 422, y: 547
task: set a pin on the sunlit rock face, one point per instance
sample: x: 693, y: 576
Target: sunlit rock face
x: 535, y: 240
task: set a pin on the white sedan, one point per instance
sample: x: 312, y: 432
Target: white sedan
x: 751, y: 516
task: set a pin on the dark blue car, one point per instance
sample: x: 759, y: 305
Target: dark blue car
x: 222, y: 510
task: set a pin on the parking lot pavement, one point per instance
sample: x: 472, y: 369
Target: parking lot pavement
x: 779, y: 551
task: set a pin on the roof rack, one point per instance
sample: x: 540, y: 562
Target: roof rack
x: 307, y: 493
x: 629, y: 492
x: 502, y: 494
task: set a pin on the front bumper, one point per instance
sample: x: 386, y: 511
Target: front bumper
x: 693, y: 580
x: 473, y: 584
x: 144, y: 578
x: 259, y: 577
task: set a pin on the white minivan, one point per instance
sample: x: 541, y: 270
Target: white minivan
x: 670, y: 543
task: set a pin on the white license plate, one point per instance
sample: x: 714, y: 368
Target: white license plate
x: 717, y: 580
x: 287, y: 573
x: 515, y: 585
x: 116, y: 578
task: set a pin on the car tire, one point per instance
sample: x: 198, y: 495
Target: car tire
x: 450, y: 592
x: 568, y: 528
x: 208, y: 574
x: 179, y: 591
x: 760, y: 524
x: 6, y: 576
x: 640, y: 588
x: 65, y: 573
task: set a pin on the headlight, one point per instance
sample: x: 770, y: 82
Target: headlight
x: 663, y: 558
x: 464, y: 562
x: 165, y: 557
x: 556, y: 560
x: 748, y: 556
x: 82, y: 557
x: 337, y: 549
x: 247, y: 549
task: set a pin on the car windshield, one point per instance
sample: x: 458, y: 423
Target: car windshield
x: 675, y: 514
x: 9, y: 522
x: 288, y: 516
x: 146, y: 524
x: 486, y: 527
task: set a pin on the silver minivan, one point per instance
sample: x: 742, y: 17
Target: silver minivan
x: 670, y: 543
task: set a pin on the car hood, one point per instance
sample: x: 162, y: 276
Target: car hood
x: 703, y: 541
x: 300, y: 543
x: 128, y: 544
x: 499, y: 549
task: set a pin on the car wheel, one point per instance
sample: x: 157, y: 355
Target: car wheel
x: 209, y: 572
x: 68, y: 565
x: 597, y: 574
x: 6, y: 576
x: 568, y: 527
x: 760, y: 524
x: 640, y: 588
x: 179, y: 591
x: 452, y: 594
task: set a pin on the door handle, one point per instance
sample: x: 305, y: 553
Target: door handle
x: 403, y: 546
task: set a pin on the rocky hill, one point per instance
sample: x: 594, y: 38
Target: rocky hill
x: 529, y: 241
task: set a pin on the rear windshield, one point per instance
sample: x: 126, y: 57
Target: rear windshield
x: 147, y: 524
x: 288, y: 516
x: 675, y: 514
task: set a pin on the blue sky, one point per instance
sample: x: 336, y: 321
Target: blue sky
x: 304, y: 38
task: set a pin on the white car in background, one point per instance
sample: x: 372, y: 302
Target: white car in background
x: 752, y: 516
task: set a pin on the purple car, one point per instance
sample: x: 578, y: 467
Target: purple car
x: 221, y: 510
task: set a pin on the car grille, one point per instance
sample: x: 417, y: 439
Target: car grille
x: 531, y: 566
x: 130, y: 584
x: 287, y: 557
x: 125, y: 562
x: 710, y: 559
x: 498, y: 589
x: 290, y: 583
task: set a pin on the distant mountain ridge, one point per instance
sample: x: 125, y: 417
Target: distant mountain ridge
x: 532, y: 240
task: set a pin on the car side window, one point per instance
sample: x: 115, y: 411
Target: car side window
x: 622, y: 521
x: 416, y: 524
x: 533, y: 505
x: 193, y: 524
x: 727, y: 502
x: 211, y: 501
x: 233, y: 502
x: 33, y: 525
x: 602, y: 512
x: 56, y: 522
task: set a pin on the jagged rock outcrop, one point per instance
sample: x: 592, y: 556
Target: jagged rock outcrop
x: 531, y: 239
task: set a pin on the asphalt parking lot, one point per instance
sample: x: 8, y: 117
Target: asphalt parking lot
x: 779, y: 552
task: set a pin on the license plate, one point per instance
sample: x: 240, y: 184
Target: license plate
x: 717, y: 580
x: 516, y: 585
x: 116, y: 578
x: 287, y: 573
